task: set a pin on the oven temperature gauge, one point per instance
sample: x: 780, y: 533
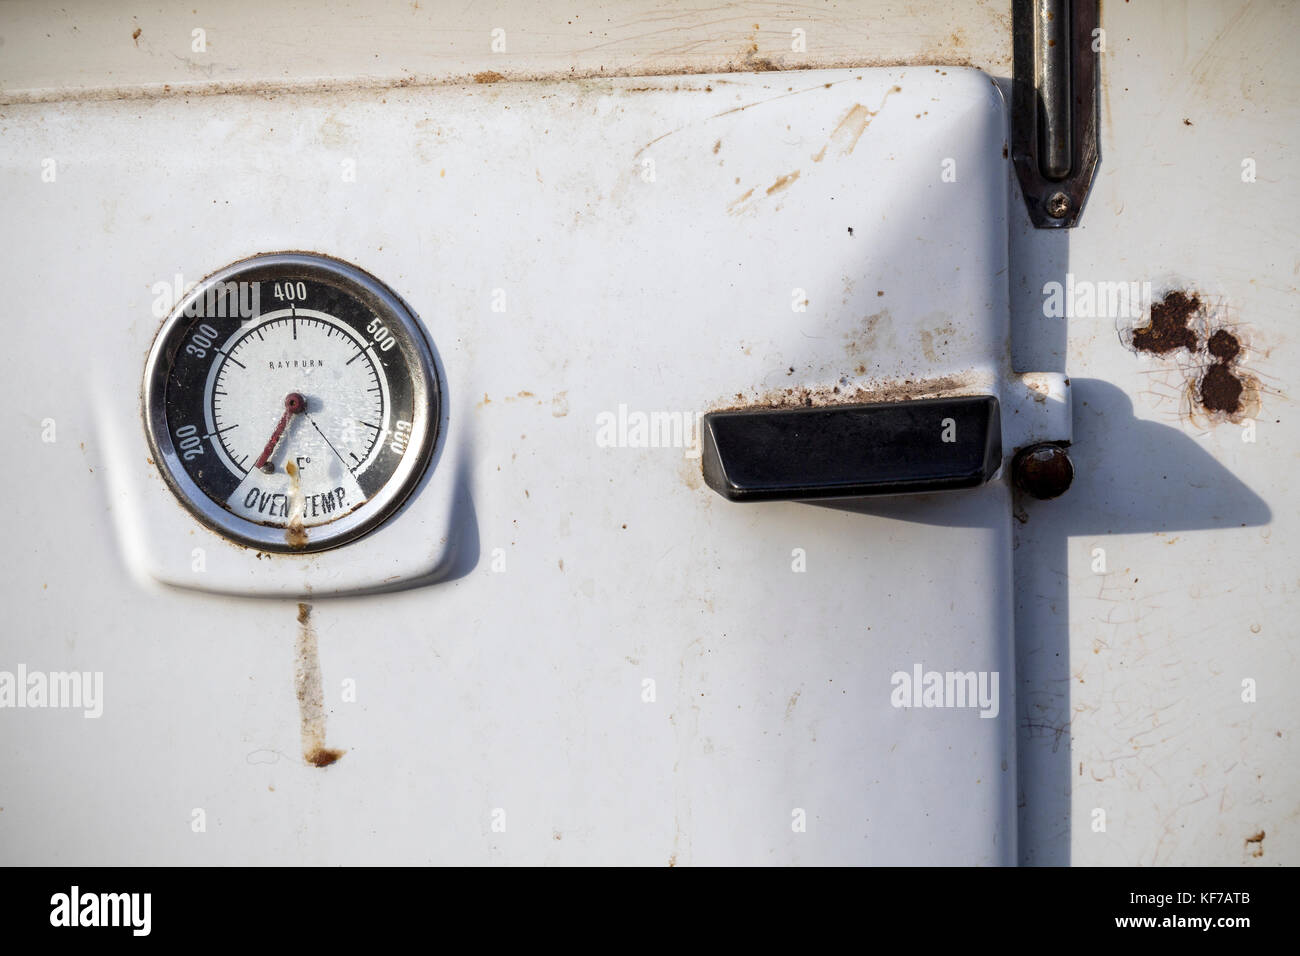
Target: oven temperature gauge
x: 291, y: 402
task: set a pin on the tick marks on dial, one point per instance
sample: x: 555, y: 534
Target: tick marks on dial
x: 218, y: 431
x: 359, y: 354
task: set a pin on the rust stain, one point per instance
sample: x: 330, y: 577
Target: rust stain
x: 1167, y: 331
x: 852, y: 125
x: 295, y: 534
x: 1223, y: 345
x: 1217, y: 389
x: 135, y: 37
x: 488, y: 76
x: 1256, y: 844
x: 1220, y: 390
x: 311, y: 695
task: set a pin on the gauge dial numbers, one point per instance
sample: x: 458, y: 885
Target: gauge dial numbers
x: 292, y: 402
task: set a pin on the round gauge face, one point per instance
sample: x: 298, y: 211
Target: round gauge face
x: 291, y: 402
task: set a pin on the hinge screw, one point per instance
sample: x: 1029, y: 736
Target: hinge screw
x: 1058, y: 204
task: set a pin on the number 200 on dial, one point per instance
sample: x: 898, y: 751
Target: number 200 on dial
x: 292, y: 402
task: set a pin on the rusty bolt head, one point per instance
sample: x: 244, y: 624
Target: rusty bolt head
x: 1058, y: 205
x: 1043, y: 471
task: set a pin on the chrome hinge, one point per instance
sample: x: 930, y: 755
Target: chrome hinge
x: 1056, y: 48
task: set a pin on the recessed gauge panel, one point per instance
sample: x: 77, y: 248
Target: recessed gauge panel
x: 292, y: 402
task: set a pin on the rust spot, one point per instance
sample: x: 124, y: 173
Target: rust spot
x: 1256, y: 844
x: 717, y: 146
x: 136, y: 36
x: 1215, y: 382
x: 1168, y: 329
x: 1220, y: 390
x: 322, y: 757
x: 1223, y: 345
x: 311, y: 695
x: 488, y: 76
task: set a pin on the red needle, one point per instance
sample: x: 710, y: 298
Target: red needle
x: 293, y: 404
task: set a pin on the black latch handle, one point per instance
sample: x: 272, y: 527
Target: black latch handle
x: 852, y: 451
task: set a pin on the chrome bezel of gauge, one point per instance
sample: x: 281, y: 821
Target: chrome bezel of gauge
x: 425, y: 389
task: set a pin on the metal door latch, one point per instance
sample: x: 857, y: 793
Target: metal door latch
x: 1055, y: 52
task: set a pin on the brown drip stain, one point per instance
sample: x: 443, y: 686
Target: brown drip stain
x: 311, y: 694
x: 295, y: 535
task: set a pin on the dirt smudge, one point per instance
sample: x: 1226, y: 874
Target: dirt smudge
x: 790, y: 705
x: 848, y: 393
x: 734, y: 206
x: 852, y: 125
x: 782, y: 182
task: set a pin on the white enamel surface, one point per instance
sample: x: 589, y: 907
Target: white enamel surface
x: 515, y: 679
